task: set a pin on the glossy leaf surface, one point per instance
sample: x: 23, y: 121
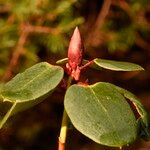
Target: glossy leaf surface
x: 117, y: 65
x: 30, y: 87
x: 101, y: 113
x: 143, y: 120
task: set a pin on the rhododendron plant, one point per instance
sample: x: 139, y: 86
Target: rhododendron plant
x: 100, y: 111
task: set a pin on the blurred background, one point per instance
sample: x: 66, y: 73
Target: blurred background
x: 32, y: 31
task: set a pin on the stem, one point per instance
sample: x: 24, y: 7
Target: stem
x: 7, y: 115
x: 64, y: 125
x: 63, y: 131
x: 87, y: 64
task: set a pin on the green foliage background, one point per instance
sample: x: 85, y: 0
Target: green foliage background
x: 57, y: 16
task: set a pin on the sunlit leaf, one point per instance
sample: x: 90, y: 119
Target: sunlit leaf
x: 101, y: 113
x: 117, y: 65
x: 30, y: 87
x: 143, y: 120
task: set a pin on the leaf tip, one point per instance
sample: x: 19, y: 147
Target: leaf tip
x: 142, y: 69
x: 62, y: 61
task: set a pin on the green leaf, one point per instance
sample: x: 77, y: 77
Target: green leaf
x: 62, y: 61
x: 101, y: 113
x: 117, y: 65
x: 30, y: 87
x: 143, y: 120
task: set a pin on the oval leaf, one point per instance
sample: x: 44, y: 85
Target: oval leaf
x: 30, y: 87
x: 117, y: 65
x: 143, y: 120
x: 101, y: 113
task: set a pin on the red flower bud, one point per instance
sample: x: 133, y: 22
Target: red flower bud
x: 75, y: 53
x: 75, y: 50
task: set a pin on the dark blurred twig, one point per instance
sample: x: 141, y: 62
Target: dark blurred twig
x: 16, y: 54
x: 102, y: 15
x: 142, y: 43
x: 25, y: 30
x: 5, y: 8
x: 138, y: 20
x: 94, y: 35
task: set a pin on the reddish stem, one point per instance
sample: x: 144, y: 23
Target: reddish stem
x: 87, y: 64
x: 61, y: 146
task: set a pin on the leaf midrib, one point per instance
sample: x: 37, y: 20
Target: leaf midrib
x: 33, y: 79
x: 105, y: 111
x: 5, y: 98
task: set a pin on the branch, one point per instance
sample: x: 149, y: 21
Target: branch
x: 64, y: 125
x: 5, y: 8
x: 63, y: 131
x: 41, y: 29
x: 26, y: 29
x: 19, y: 50
x: 102, y: 15
x: 94, y: 36
x: 142, y: 44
